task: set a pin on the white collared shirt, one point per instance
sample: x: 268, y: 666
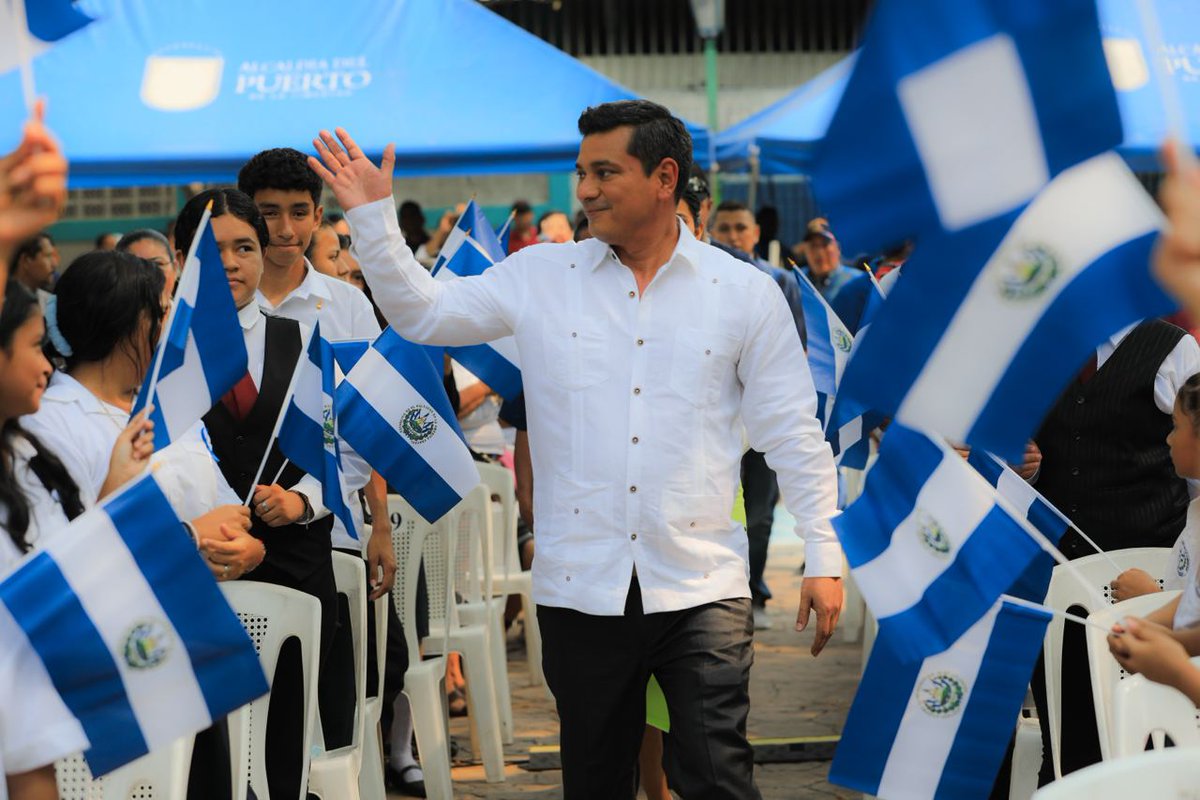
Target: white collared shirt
x: 344, y: 313
x: 635, y: 407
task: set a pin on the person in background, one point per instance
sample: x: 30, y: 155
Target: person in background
x: 338, y: 221
x: 412, y: 223
x: 823, y: 259
x: 325, y: 252
x: 767, y: 218
x: 553, y: 226
x: 428, y: 253
x: 523, y: 232
x: 33, y: 263
x: 153, y: 247
x: 106, y: 241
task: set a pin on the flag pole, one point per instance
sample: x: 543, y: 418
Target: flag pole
x: 166, y: 328
x: 283, y: 409
x: 1168, y: 91
x: 24, y: 55
x: 1020, y: 601
x: 875, y: 281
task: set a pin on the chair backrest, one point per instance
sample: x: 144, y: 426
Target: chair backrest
x: 414, y: 540
x: 271, y: 616
x: 350, y: 576
x: 1085, y: 583
x: 499, y: 481
x: 380, y: 654
x: 1173, y: 773
x: 162, y: 775
x: 472, y: 519
x: 1106, y: 673
x: 1151, y: 716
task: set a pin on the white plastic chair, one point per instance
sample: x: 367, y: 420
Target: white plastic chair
x: 1146, y: 714
x: 1160, y: 774
x: 1106, y: 673
x: 271, y: 615
x: 477, y: 602
x: 1027, y: 759
x: 1066, y: 591
x: 413, y: 539
x: 370, y: 777
x: 333, y: 774
x: 509, y: 578
x: 452, y: 634
x: 162, y: 775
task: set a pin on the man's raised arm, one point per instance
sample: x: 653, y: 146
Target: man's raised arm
x: 459, y: 312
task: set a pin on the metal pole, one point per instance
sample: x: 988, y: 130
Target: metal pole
x: 710, y: 82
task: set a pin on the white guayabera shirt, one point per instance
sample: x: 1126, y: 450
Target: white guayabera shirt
x: 635, y: 405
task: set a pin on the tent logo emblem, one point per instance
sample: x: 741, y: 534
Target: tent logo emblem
x: 1028, y: 274
x: 933, y: 536
x: 147, y: 644
x: 842, y: 340
x: 941, y: 694
x: 419, y: 423
x: 182, y: 77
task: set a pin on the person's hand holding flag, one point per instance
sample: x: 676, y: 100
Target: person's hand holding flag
x: 1177, y: 256
x: 355, y: 181
x: 33, y: 184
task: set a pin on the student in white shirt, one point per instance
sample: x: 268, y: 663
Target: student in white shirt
x: 103, y: 322
x: 640, y: 351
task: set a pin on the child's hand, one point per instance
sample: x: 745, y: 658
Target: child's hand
x: 1133, y: 583
x: 1149, y: 650
x: 131, y: 453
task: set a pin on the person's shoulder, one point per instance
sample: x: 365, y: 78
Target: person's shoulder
x: 730, y: 267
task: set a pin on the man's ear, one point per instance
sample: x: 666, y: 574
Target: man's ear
x: 668, y: 177
x: 319, y: 212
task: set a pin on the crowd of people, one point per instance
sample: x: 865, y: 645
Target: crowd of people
x: 662, y: 357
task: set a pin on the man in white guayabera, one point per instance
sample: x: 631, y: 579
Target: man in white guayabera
x: 640, y: 350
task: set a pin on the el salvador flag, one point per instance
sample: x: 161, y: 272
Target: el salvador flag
x: 308, y: 434
x: 201, y: 353
x: 970, y: 113
x: 393, y: 410
x: 131, y: 628
x: 1038, y: 511
x: 939, y: 727
x: 45, y: 22
x: 471, y: 248
x: 987, y: 349
x: 929, y: 544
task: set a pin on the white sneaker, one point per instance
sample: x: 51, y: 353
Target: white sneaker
x: 762, y: 620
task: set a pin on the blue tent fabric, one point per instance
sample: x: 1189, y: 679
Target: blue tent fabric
x: 170, y: 92
x: 788, y: 131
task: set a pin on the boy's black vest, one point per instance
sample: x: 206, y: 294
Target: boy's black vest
x: 1106, y: 462
x: 297, y: 550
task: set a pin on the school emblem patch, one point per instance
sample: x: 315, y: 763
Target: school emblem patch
x: 842, y: 340
x: 1181, y: 568
x: 933, y: 536
x: 418, y: 423
x: 941, y: 694
x: 147, y: 644
x: 1028, y: 273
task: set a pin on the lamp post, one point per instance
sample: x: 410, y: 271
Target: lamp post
x: 710, y: 21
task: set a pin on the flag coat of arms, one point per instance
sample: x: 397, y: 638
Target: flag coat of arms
x: 969, y: 115
x: 992, y: 336
x: 393, y: 410
x: 470, y: 249
x: 131, y: 628
x: 201, y: 353
x: 939, y: 727
x: 929, y: 543
x: 308, y: 434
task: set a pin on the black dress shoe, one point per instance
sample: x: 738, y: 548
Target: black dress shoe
x: 395, y: 780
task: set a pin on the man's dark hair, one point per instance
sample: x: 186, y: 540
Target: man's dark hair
x: 522, y: 207
x: 656, y: 134
x: 28, y: 249
x: 730, y: 206
x: 280, y: 168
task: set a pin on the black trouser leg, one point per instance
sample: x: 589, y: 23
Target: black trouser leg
x: 760, y: 492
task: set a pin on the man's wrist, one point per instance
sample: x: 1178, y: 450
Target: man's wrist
x: 306, y: 514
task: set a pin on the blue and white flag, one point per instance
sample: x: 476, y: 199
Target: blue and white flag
x: 131, y: 628
x: 929, y: 544
x: 393, y: 410
x: 976, y: 344
x: 505, y: 232
x: 829, y: 343
x: 201, y: 353
x: 38, y: 23
x: 347, y: 352
x: 307, y: 430
x: 470, y: 249
x: 1038, y: 511
x: 939, y: 727
x: 969, y: 117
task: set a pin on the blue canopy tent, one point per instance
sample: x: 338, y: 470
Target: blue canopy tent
x: 169, y: 92
x: 787, y: 132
